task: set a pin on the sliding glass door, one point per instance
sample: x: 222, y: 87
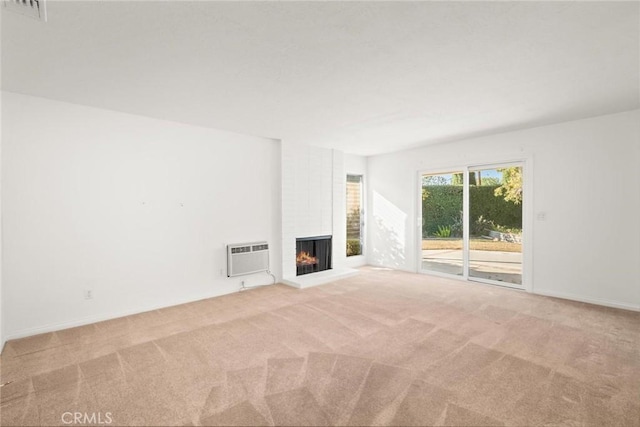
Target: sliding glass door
x: 495, y: 231
x: 442, y: 224
x: 472, y: 223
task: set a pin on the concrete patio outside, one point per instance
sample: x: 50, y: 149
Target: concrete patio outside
x: 492, y: 265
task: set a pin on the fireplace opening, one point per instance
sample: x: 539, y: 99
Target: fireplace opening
x: 313, y: 254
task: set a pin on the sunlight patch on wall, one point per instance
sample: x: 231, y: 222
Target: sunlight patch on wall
x: 389, y: 230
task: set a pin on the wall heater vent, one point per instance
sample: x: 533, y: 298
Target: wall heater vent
x: 33, y: 8
x: 247, y: 258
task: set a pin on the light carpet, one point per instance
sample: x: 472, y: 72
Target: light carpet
x: 380, y: 348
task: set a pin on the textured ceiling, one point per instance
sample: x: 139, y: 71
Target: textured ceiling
x: 364, y: 77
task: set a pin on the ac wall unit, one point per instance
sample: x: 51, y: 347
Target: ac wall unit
x: 32, y: 8
x: 247, y: 258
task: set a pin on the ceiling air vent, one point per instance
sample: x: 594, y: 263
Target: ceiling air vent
x: 32, y: 8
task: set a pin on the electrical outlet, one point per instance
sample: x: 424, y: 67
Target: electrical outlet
x: 88, y: 294
x: 222, y: 271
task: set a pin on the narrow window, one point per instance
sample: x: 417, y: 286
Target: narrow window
x: 355, y: 217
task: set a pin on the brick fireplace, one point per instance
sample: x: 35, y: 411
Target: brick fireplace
x: 313, y: 215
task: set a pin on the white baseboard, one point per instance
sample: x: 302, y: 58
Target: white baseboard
x: 386, y: 267
x: 596, y: 301
x: 320, y: 278
x: 102, y: 317
x: 355, y: 261
x: 107, y: 316
x: 551, y: 293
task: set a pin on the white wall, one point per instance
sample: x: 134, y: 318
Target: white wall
x: 1, y: 238
x: 1, y: 293
x: 339, y: 254
x: 136, y: 209
x: 355, y: 165
x: 585, y: 178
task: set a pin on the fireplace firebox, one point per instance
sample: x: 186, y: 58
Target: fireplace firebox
x: 313, y: 254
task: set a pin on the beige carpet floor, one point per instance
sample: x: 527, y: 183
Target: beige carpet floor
x: 381, y: 348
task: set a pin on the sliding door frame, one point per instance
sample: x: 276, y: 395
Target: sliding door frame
x: 420, y: 220
x: 527, y: 220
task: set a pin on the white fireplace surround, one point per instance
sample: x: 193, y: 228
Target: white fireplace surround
x: 313, y: 204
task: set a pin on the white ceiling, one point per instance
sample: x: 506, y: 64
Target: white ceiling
x: 364, y: 77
